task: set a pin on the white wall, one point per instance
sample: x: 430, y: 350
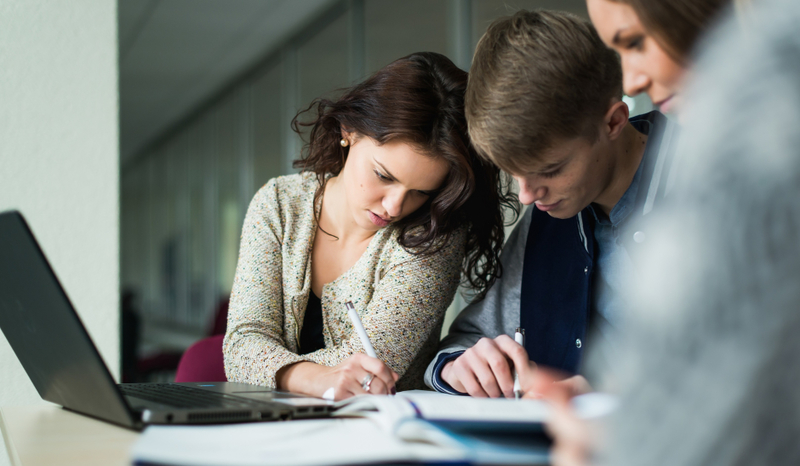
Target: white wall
x: 59, y: 158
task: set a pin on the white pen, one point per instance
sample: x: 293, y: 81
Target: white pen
x: 519, y: 337
x: 351, y: 311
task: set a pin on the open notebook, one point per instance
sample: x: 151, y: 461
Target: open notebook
x: 411, y: 427
x: 481, y: 430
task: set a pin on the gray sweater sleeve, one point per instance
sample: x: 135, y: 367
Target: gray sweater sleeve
x: 498, y: 312
x: 709, y: 373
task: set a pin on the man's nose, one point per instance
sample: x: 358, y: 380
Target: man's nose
x: 529, y: 192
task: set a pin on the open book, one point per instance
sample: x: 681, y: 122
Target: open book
x: 292, y: 443
x: 482, y: 430
x: 440, y: 407
x: 411, y: 427
x: 433, y: 406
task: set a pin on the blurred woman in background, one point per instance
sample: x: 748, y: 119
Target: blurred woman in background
x: 655, y: 40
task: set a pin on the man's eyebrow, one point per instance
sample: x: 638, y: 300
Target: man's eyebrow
x: 549, y: 166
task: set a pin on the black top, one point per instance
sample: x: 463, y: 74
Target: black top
x: 311, y: 338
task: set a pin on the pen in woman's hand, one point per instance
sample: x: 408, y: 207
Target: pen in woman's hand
x: 371, y: 376
x: 362, y: 334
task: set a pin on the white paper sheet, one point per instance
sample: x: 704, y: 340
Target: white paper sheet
x: 298, y: 443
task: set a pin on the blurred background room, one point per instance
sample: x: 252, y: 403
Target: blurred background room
x: 135, y: 132
x: 207, y: 91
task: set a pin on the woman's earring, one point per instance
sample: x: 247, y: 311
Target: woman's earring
x: 344, y: 142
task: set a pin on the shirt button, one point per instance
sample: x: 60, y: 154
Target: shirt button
x: 586, y: 270
x: 578, y: 343
x: 639, y: 237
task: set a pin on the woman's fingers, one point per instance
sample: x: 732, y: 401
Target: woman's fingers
x: 378, y: 369
x: 575, y: 385
x: 360, y: 374
x: 555, y: 385
x: 376, y: 387
x: 572, y: 437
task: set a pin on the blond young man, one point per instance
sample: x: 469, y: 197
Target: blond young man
x: 544, y: 103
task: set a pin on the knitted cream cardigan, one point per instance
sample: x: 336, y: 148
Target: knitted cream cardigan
x: 400, y: 297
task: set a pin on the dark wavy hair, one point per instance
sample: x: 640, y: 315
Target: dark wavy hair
x: 419, y: 100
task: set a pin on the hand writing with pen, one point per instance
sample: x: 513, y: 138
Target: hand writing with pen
x: 486, y: 370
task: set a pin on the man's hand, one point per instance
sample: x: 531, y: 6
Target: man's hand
x: 485, y: 370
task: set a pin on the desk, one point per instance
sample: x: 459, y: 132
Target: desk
x: 47, y: 435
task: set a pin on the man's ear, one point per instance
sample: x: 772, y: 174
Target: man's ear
x: 615, y: 119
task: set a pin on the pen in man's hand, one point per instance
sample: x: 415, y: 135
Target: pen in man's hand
x: 519, y: 337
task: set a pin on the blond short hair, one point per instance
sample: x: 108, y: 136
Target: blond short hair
x: 537, y: 78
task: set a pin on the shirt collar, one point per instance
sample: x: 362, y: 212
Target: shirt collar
x: 644, y: 124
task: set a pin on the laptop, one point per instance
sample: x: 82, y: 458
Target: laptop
x: 64, y: 365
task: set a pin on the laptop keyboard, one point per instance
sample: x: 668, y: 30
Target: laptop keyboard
x: 181, y: 396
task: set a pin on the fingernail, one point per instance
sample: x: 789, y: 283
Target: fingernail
x: 394, y: 391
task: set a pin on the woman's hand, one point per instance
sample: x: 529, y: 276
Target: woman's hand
x: 574, y: 439
x: 346, y: 378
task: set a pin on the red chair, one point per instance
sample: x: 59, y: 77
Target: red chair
x: 203, y: 362
x: 170, y: 361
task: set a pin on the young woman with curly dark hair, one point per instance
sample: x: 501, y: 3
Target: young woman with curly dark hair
x: 392, y: 210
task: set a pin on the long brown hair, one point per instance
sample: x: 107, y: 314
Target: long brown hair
x: 677, y: 24
x: 419, y: 100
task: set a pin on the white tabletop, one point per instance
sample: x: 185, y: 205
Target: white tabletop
x: 48, y: 435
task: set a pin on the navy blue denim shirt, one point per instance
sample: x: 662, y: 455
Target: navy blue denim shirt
x: 613, y: 265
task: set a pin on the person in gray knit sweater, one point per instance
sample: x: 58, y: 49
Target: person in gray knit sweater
x: 391, y: 207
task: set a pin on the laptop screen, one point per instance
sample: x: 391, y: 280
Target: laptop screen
x: 46, y: 334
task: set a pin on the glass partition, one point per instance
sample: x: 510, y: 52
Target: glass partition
x: 395, y: 29
x: 268, y: 127
x: 184, y: 197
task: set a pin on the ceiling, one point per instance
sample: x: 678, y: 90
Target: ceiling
x: 176, y: 54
